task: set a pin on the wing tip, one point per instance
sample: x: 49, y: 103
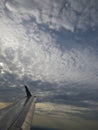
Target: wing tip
x: 27, y: 91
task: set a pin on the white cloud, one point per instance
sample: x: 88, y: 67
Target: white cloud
x: 44, y: 61
x: 33, y: 52
x: 68, y: 14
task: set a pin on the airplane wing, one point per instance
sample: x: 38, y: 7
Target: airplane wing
x: 19, y: 116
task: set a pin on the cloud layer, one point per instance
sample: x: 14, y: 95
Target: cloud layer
x: 52, y: 46
x: 56, y: 14
x: 28, y: 40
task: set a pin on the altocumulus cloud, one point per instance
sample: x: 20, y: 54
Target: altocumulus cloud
x: 27, y: 49
x: 69, y: 14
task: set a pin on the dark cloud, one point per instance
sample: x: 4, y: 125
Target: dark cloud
x: 67, y: 116
x: 41, y: 128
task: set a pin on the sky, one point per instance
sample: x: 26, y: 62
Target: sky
x: 51, y: 45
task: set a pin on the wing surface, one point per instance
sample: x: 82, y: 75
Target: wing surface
x: 20, y: 115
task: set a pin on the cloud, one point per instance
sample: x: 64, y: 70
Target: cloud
x: 52, y: 66
x: 53, y: 108
x: 3, y: 105
x: 67, y: 14
x: 29, y: 49
x: 64, y: 116
x: 39, y: 47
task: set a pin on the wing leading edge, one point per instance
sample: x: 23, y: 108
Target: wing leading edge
x: 19, y: 116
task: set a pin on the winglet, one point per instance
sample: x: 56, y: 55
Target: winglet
x: 27, y: 92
